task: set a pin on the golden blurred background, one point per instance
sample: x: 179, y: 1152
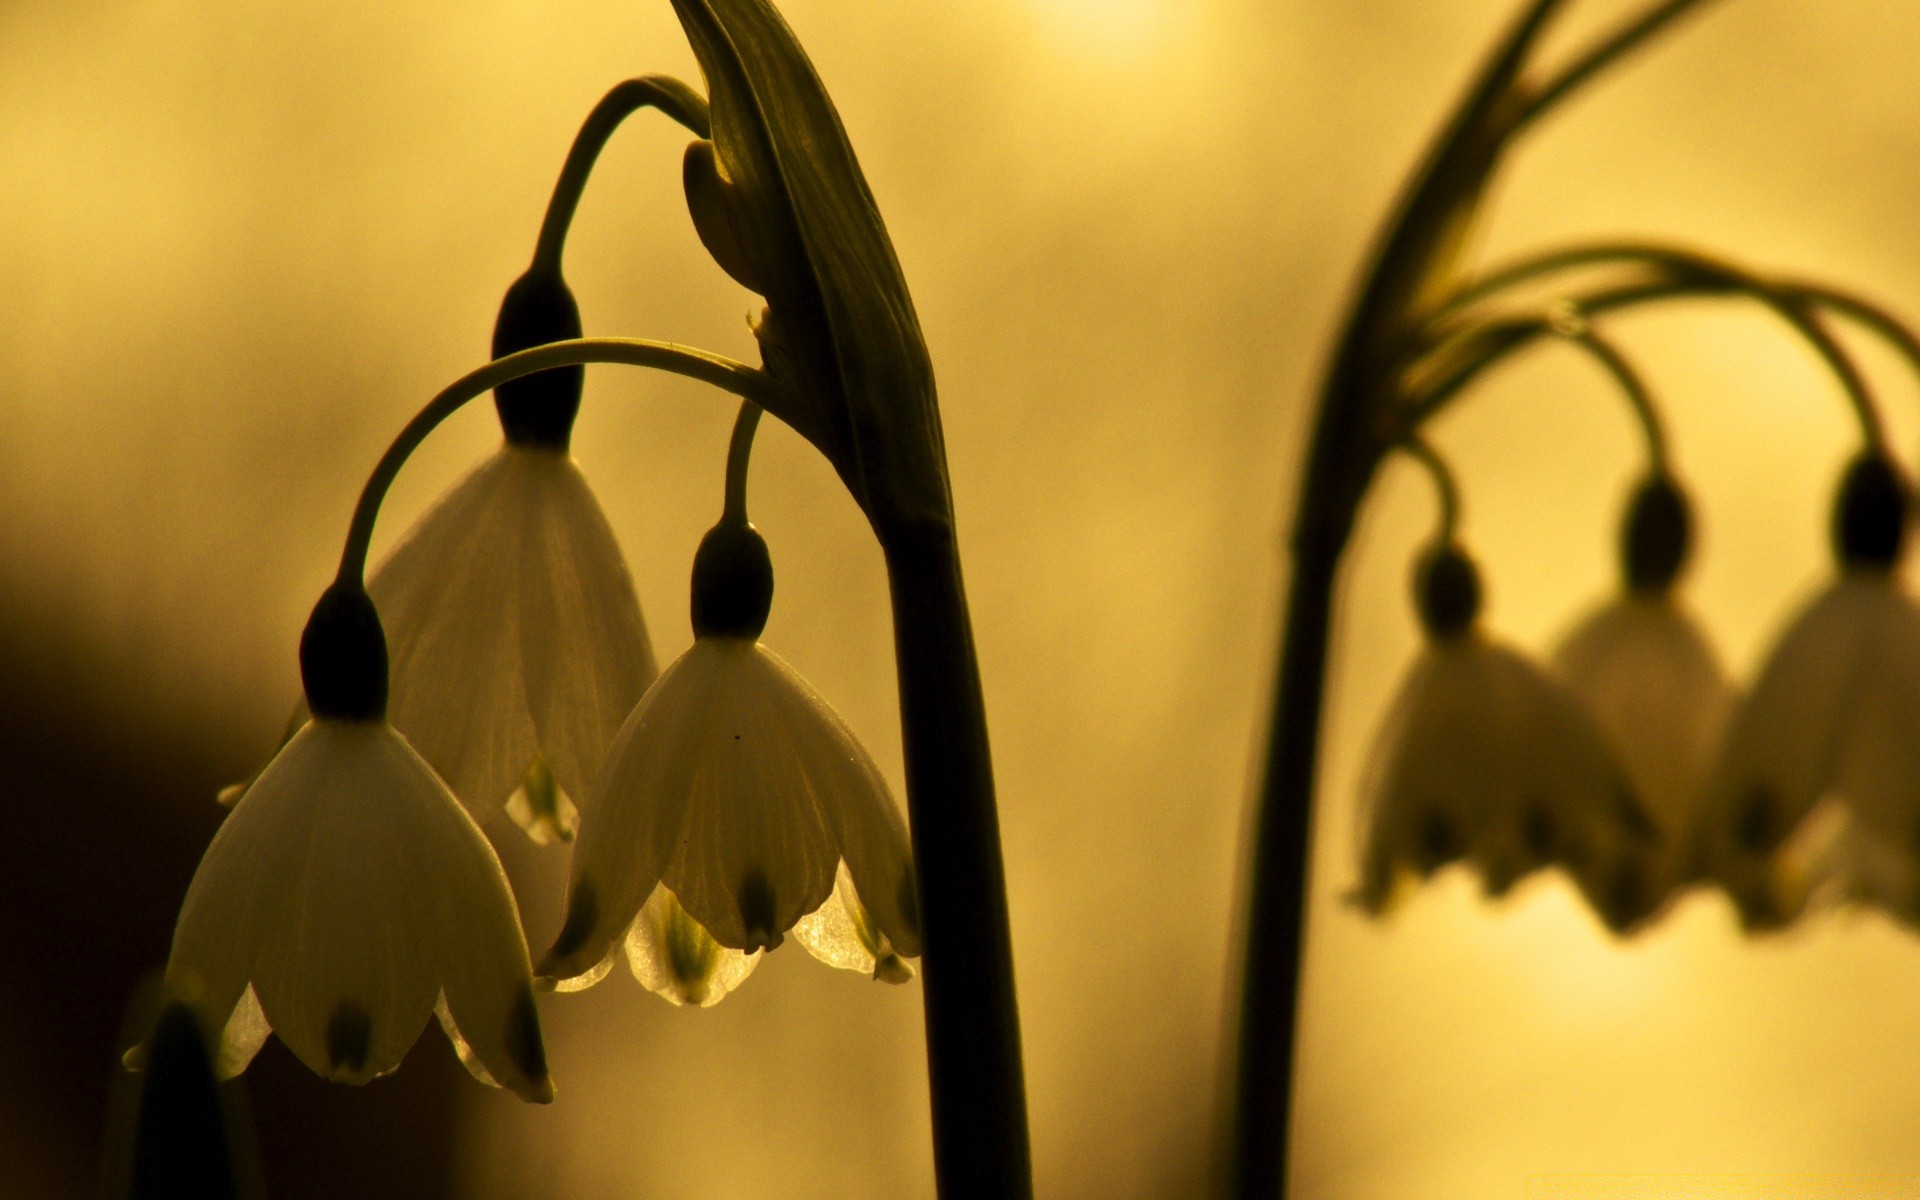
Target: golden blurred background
x: 242, y: 240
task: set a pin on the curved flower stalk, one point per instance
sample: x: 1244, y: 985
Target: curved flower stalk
x: 1487, y: 760
x: 1644, y: 668
x: 348, y: 895
x: 1834, y: 717
x: 734, y: 804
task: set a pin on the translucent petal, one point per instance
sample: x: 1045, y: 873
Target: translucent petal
x: 842, y: 934
x: 447, y: 599
x: 755, y: 851
x: 584, y: 649
x: 237, y: 899
x: 632, y: 824
x: 542, y: 808
x: 670, y: 954
x: 346, y: 971
x: 861, y: 815
x: 513, y: 629
x: 1833, y: 709
x: 245, y: 1032
x: 1645, y: 671
x: 1485, y: 758
x: 476, y: 949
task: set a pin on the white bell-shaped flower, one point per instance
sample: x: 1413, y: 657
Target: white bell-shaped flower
x: 1819, y: 776
x: 346, y: 897
x: 1486, y: 759
x: 1835, y: 712
x: 516, y: 640
x: 734, y: 804
x: 1644, y: 669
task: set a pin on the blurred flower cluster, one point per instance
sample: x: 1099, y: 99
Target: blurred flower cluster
x: 1633, y: 764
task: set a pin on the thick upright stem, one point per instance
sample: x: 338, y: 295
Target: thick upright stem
x: 1276, y: 919
x: 973, y: 1027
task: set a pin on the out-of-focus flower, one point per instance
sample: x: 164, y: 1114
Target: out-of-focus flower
x: 734, y: 804
x: 1832, y: 726
x: 1486, y: 759
x: 517, y: 642
x: 1644, y: 669
x: 348, y: 895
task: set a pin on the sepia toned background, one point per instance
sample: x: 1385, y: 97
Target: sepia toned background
x: 241, y: 241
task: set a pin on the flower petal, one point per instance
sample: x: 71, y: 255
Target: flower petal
x: 1486, y: 758
x: 864, y: 820
x: 584, y: 649
x: 237, y: 900
x: 755, y: 850
x: 448, y: 598
x: 842, y: 934
x: 345, y: 973
x: 1833, y: 709
x: 672, y: 955
x: 632, y: 825
x: 1645, y: 671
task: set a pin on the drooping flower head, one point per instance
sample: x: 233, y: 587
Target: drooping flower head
x: 517, y: 638
x: 1832, y: 724
x: 1644, y: 668
x: 348, y: 895
x: 1486, y: 759
x: 736, y: 806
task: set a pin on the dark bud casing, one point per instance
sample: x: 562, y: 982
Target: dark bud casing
x: 343, y: 656
x: 732, y: 582
x: 1870, y: 517
x: 1446, y: 589
x: 538, y: 409
x: 1656, y: 537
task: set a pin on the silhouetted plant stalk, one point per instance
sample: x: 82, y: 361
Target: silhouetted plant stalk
x: 1420, y: 332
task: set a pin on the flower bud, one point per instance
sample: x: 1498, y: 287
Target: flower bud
x: 1446, y: 590
x: 732, y: 582
x: 343, y: 656
x: 1870, y: 517
x: 538, y: 409
x: 1656, y: 537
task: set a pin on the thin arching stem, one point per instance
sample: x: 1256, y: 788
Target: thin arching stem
x: 1575, y: 328
x: 669, y: 95
x: 1446, y: 488
x: 739, y: 455
x: 1603, y: 54
x: 1855, y: 308
x: 723, y: 373
x: 1687, y: 273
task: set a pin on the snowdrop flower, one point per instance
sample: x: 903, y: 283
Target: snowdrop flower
x: 1485, y: 759
x: 348, y: 894
x: 516, y: 638
x: 1834, y: 717
x: 1644, y: 669
x: 735, y: 807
